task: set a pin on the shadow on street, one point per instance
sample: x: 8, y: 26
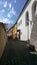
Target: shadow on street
x: 18, y: 53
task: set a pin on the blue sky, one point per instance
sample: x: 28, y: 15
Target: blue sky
x: 10, y: 10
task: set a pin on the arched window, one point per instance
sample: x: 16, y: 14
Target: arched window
x: 27, y: 18
x: 34, y: 9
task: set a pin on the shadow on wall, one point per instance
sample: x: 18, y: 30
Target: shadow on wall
x: 3, y: 38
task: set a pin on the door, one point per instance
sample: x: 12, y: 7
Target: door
x: 18, y: 34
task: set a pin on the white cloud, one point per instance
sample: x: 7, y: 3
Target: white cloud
x: 9, y: 6
x: 15, y: 1
x: 5, y: 4
x: 9, y: 15
x: 4, y: 20
x: 3, y: 10
x: 13, y: 11
x: 1, y: 2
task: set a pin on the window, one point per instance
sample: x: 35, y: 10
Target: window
x: 20, y: 23
x: 27, y: 18
x: 31, y: 22
x: 35, y: 8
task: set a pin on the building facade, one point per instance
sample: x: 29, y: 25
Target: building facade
x: 15, y: 31
x: 25, y: 20
x: 3, y: 38
x: 12, y: 33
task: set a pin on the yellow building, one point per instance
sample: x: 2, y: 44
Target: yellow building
x: 3, y: 38
x: 12, y: 33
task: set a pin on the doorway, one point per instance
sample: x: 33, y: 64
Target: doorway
x: 18, y: 34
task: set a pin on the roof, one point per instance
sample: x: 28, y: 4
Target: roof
x: 3, y: 25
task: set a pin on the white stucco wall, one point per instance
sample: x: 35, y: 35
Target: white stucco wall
x: 26, y: 30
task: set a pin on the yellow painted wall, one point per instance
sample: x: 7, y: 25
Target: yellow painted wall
x: 3, y: 39
x: 14, y: 32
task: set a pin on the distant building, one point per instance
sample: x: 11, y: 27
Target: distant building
x: 3, y: 38
x: 25, y: 20
x: 12, y: 32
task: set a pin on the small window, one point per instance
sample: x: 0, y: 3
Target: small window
x: 35, y: 8
x: 27, y: 18
x: 27, y: 23
x: 20, y: 23
x: 31, y: 22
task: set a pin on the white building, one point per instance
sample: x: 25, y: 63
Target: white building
x: 25, y: 20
